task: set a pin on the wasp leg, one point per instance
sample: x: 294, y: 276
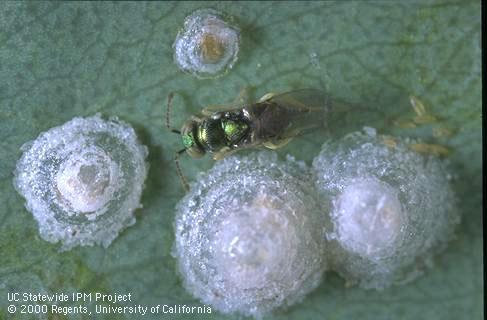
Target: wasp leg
x: 223, y: 153
x: 240, y: 100
x: 210, y: 110
x: 243, y: 97
x: 276, y: 145
x: 195, y: 118
x: 302, y: 106
x: 267, y: 96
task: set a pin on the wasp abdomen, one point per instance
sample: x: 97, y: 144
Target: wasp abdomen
x: 270, y: 121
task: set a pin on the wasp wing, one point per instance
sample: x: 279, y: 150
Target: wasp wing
x: 311, y: 108
x: 210, y: 110
x: 281, y: 117
x: 240, y: 100
x: 302, y: 100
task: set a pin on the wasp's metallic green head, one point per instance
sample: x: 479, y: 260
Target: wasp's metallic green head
x: 234, y: 129
x: 189, y: 136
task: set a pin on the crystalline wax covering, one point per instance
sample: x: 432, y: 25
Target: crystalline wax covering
x: 249, y: 236
x: 83, y: 180
x: 208, y: 45
x: 390, y: 208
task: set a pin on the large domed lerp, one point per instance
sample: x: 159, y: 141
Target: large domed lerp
x: 83, y: 180
x: 388, y: 208
x: 248, y: 235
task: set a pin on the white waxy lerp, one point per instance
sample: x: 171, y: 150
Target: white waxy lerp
x: 83, y: 180
x: 389, y: 209
x: 248, y: 235
x: 208, y: 45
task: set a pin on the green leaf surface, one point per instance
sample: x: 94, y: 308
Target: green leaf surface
x: 61, y: 60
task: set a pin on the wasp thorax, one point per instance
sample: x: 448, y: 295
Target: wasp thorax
x: 389, y: 208
x: 234, y: 130
x: 83, y: 180
x: 208, y: 45
x: 249, y: 236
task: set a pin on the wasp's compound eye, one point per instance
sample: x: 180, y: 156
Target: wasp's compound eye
x: 82, y: 180
x: 389, y: 208
x: 188, y: 140
x: 249, y: 236
x: 208, y: 45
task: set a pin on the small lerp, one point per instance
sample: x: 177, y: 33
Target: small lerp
x: 208, y: 45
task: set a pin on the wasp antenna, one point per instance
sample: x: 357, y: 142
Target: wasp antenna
x: 168, y: 110
x: 180, y: 172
